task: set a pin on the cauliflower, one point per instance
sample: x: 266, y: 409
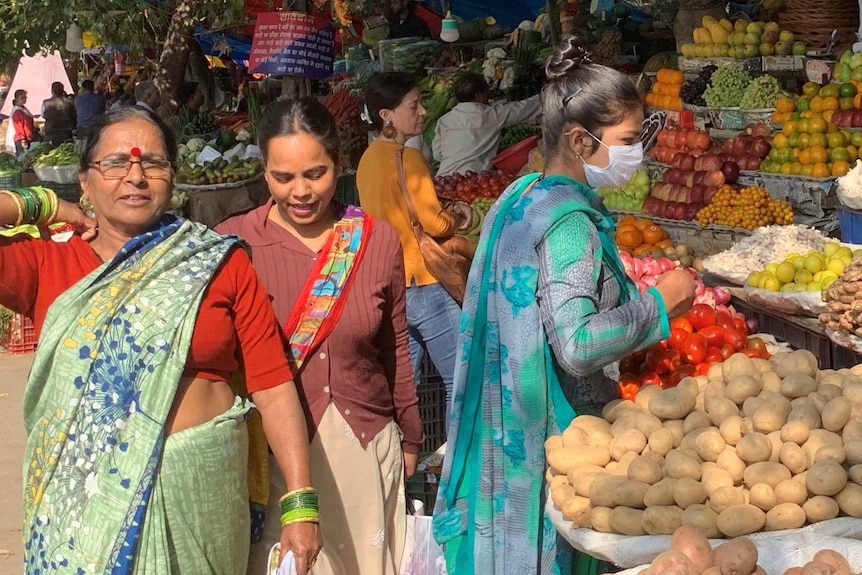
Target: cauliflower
x: 489, y: 69
x: 243, y: 136
x: 195, y: 145
x: 182, y: 150
x: 497, y: 53
x: 508, y: 79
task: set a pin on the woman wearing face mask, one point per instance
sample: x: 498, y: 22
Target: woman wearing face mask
x: 549, y: 307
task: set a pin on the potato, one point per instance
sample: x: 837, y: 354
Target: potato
x: 591, y: 423
x: 564, y: 459
x: 673, y: 403
x: 817, y: 401
x: 553, y: 442
x: 762, y: 496
x: 647, y: 424
x: 797, y: 362
x: 695, y: 420
x: 853, y: 392
x: 708, y: 571
x: 793, y: 458
x: 736, y: 365
x: 790, y: 491
x: 741, y: 520
x: 688, y: 492
x: 775, y: 439
x: 549, y: 475
x: 817, y: 439
x: 771, y: 382
x: 817, y: 568
x: 769, y: 418
x: 602, y: 490
x: 655, y: 457
x: 795, y: 432
x: 574, y: 437
x: 754, y: 448
x: 712, y: 479
x: 623, y: 424
x: 829, y: 392
x: 599, y: 439
x: 702, y: 517
x: 678, y: 465
x: 661, y: 494
x: 853, y: 429
x: 631, y: 440
x: 627, y: 521
x: 645, y: 470
x: 794, y: 571
x: 618, y: 408
x: 765, y: 472
x: 622, y: 467
x: 661, y: 441
x: 692, y: 543
x: 730, y: 462
x: 743, y: 387
x: 709, y: 445
x: 833, y: 559
x: 719, y: 409
x: 855, y: 474
x: 835, y: 453
x: 737, y: 557
x: 675, y: 426
x: 731, y: 430
x: 853, y: 452
x: 830, y: 377
x: 820, y: 508
x: 751, y: 405
x: 561, y: 494
x: 580, y: 478
x: 785, y: 516
x: 630, y: 493
x: 600, y: 519
x: 672, y: 562
x: 645, y: 393
x: 575, y: 509
x: 725, y: 498
x: 826, y: 478
x: 715, y: 374
x: 806, y: 413
x: 849, y: 500
x: 690, y: 385
x: 661, y: 520
x: 797, y: 385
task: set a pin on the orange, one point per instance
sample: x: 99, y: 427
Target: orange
x: 804, y: 104
x: 816, y: 104
x: 806, y: 170
x: 811, y: 88
x: 793, y: 141
x: 796, y: 168
x: 818, y: 140
x: 643, y: 224
x: 804, y: 125
x: 839, y: 155
x: 804, y: 141
x: 836, y: 140
x: 857, y: 101
x: 853, y: 152
x: 652, y: 234
x: 794, y: 153
x: 805, y: 157
x: 830, y: 91
x: 817, y: 126
x: 775, y: 118
x: 818, y: 154
x: 787, y: 168
x: 820, y: 170
x: 846, y: 103
x: 856, y: 139
x: 830, y: 127
x: 643, y: 250
x: 780, y: 141
x: 847, y: 135
x: 785, y: 105
x: 808, y: 114
x: 790, y: 127
x: 629, y: 236
x: 840, y: 168
x: 830, y: 103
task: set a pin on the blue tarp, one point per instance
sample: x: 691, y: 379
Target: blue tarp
x: 240, y: 44
x: 509, y: 13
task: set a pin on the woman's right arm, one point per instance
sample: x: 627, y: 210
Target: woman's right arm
x: 436, y: 221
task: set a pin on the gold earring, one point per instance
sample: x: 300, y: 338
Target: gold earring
x: 84, y: 204
x: 389, y: 131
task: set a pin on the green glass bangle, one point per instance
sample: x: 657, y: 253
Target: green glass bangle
x: 47, y: 204
x: 289, y: 508
x: 300, y: 501
x: 289, y: 517
x: 31, y: 205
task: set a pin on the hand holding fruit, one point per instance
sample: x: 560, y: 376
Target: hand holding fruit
x: 678, y: 291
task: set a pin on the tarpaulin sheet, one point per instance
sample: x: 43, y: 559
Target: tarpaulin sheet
x: 507, y: 12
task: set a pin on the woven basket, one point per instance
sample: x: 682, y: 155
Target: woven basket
x: 812, y: 21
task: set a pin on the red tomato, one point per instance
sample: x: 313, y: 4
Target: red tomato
x: 657, y: 361
x: 628, y: 386
x: 681, y: 373
x: 694, y: 349
x: 713, y: 355
x: 726, y: 351
x: 740, y: 325
x: 677, y: 337
x: 723, y: 319
x: 682, y: 323
x: 701, y: 316
x: 630, y: 364
x: 735, y: 339
x: 756, y: 343
x: 651, y: 378
x: 702, y: 369
x: 673, y: 354
x: 752, y: 353
x: 714, y: 335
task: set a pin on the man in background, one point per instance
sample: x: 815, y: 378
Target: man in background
x: 148, y: 96
x: 404, y: 23
x: 60, y: 116
x: 89, y: 106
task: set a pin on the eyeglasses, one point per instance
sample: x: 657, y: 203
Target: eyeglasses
x: 117, y: 169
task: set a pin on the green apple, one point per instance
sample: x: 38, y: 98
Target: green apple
x: 767, y: 50
x: 845, y: 57
x: 752, y: 39
x: 751, y: 51
x: 856, y: 61
x: 799, y: 49
x: 786, y: 36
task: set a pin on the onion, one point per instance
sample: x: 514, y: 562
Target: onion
x: 722, y: 295
x: 642, y: 287
x: 753, y: 324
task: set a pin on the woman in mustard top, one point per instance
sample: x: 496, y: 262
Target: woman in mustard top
x: 394, y: 107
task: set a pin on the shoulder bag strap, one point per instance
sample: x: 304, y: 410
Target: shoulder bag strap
x: 408, y: 201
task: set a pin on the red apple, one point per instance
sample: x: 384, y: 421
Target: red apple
x: 856, y: 120
x: 691, y: 212
x: 711, y: 163
x: 760, y: 147
x: 730, y: 171
x: 714, y: 178
x: 697, y: 140
x: 709, y: 194
x: 661, y: 209
x: 689, y: 179
x: 679, y: 139
x: 762, y: 130
x: 740, y: 146
x: 698, y: 178
x: 696, y: 194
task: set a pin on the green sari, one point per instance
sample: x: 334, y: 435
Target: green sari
x: 112, y: 352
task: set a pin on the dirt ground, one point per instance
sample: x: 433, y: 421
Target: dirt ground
x: 13, y: 378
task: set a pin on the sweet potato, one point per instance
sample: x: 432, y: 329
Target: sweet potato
x: 692, y: 543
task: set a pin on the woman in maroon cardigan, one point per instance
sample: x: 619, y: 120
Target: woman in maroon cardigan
x: 336, y: 278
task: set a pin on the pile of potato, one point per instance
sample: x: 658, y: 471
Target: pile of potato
x: 691, y: 554
x: 754, y: 445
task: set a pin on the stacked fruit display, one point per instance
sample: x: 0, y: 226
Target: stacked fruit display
x: 469, y: 186
x: 749, y: 149
x: 763, y: 93
x: 218, y: 171
x: 692, y: 92
x: 741, y: 39
x: 848, y: 68
x: 671, y: 141
x: 814, y: 271
x: 748, y: 208
x: 629, y: 198
x: 726, y: 87
x: 666, y: 91
x: 640, y: 237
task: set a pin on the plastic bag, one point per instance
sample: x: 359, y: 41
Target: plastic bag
x: 790, y: 302
x: 288, y: 566
x: 208, y: 154
x: 422, y: 555
x: 57, y: 174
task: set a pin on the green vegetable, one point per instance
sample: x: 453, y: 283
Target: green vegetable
x: 65, y: 155
x: 511, y: 136
x: 9, y: 165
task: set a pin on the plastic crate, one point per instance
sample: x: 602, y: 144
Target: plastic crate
x: 432, y: 407
x: 423, y: 486
x: 21, y: 336
x: 850, y: 222
x: 10, y: 181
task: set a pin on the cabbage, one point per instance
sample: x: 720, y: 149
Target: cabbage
x: 195, y: 145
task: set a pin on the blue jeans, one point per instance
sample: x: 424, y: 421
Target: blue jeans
x: 433, y: 319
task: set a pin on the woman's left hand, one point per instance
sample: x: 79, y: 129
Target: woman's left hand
x: 305, y: 542
x: 411, y: 461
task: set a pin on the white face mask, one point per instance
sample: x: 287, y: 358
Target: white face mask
x: 623, y: 162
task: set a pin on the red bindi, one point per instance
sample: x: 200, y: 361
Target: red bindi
x: 136, y: 152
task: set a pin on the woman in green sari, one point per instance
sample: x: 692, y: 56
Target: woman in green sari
x: 548, y: 308
x: 137, y: 447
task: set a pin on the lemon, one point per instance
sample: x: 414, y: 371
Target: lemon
x: 785, y: 272
x: 814, y: 286
x: 772, y: 284
x: 771, y: 269
x: 803, y: 277
x: 791, y: 256
x: 831, y: 248
x: 814, y: 263
x: 828, y: 282
x: 844, y: 252
x: 788, y: 287
x: 798, y: 262
x: 765, y: 278
x: 754, y: 279
x: 845, y: 260
x: 836, y: 266
x: 857, y: 253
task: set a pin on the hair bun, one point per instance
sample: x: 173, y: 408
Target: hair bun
x: 569, y: 55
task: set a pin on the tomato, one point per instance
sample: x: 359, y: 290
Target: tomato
x: 713, y: 355
x: 735, y: 339
x: 682, y: 323
x: 628, y: 386
x: 657, y: 361
x: 677, y: 337
x: 694, y: 349
x: 752, y: 353
x: 756, y: 343
x: 714, y: 335
x: 723, y: 319
x: 702, y: 368
x: 740, y: 325
x: 651, y: 378
x: 630, y: 364
x: 673, y: 354
x: 701, y: 316
x: 726, y: 351
x: 680, y: 374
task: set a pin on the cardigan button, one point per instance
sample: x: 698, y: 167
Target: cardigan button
x: 362, y: 435
x: 326, y: 389
x: 322, y: 356
x: 346, y: 412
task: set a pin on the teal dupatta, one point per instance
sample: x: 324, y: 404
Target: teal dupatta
x: 508, y: 399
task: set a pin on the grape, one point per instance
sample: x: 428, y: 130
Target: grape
x: 763, y: 92
x: 727, y: 86
x: 692, y: 92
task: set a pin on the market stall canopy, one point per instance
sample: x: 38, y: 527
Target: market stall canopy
x: 508, y: 13
x: 35, y: 74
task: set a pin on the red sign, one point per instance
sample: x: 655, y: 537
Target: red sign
x: 292, y: 44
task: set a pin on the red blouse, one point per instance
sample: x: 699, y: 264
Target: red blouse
x: 235, y: 328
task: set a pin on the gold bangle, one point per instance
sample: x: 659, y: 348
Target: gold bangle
x: 298, y: 492
x: 300, y: 520
x: 55, y: 211
x: 18, y: 202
